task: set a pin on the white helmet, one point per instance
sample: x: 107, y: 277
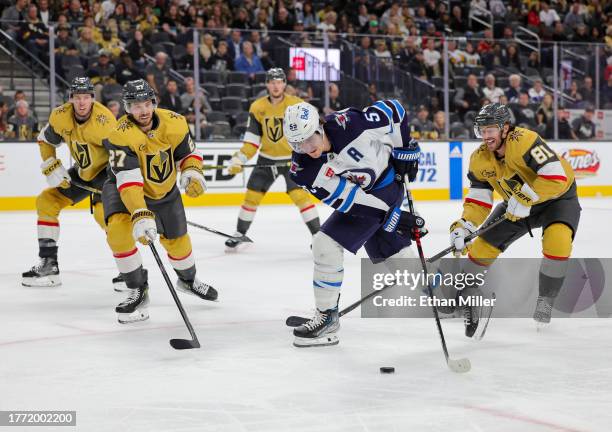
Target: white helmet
x: 300, y: 123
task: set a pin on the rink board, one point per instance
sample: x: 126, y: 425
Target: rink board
x: 442, y: 173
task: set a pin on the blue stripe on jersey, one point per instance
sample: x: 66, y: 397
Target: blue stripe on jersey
x: 349, y: 200
x: 400, y: 109
x: 387, y: 111
x: 329, y: 200
x: 387, y: 180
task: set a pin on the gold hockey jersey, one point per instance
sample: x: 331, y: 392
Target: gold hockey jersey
x: 528, y: 159
x: 85, y: 140
x: 148, y: 162
x: 265, y: 128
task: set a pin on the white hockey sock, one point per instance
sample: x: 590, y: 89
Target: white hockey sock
x: 328, y: 271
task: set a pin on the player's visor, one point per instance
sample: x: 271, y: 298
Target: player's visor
x: 486, y: 131
x: 306, y: 146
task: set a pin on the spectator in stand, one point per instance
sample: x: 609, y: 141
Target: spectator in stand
x: 44, y: 13
x: 524, y: 113
x: 606, y: 94
x: 472, y: 58
x: 512, y: 58
x: 19, y: 95
x: 420, y: 126
x: 335, y: 104
x: 22, y: 125
x: 170, y: 98
x: 559, y: 34
x: 85, y: 44
x: 64, y: 43
x: 418, y: 68
x: 187, y: 60
x: 432, y: 58
x: 205, y: 128
x: 157, y: 73
x: 485, y: 45
x: 126, y: 70
x: 537, y: 92
x: 102, y: 72
x: 534, y: 60
x: 439, y: 124
x: 108, y: 8
x: 470, y: 98
x: 138, y: 47
x: 456, y: 56
x: 329, y: 24
x: 311, y: 20
x: 234, y: 45
x: 75, y: 13
x: 111, y: 43
x: 582, y: 34
x: 383, y: 54
x: 372, y: 94
x: 241, y: 21
x: 533, y: 18
x: 33, y: 34
x: 248, y: 62
x: 3, y: 123
x: 147, y: 21
x: 221, y: 60
x: 261, y: 50
x: 422, y: 20
x: 565, y: 131
x: 548, y: 16
x: 188, y: 97
x: 115, y: 107
x: 587, y: 91
x: 574, y: 93
x: 574, y: 18
x: 583, y: 127
x: 458, y: 24
x: 512, y: 92
x: 12, y: 17
x: 545, y: 116
x: 302, y: 87
x: 491, y: 91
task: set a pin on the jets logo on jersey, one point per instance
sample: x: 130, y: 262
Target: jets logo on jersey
x: 274, y: 128
x: 159, y: 166
x: 82, y: 155
x: 342, y: 120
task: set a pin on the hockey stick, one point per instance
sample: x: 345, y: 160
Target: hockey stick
x: 243, y: 239
x: 296, y: 321
x: 463, y: 364
x: 214, y: 231
x: 469, y: 238
x: 276, y: 165
x: 178, y: 344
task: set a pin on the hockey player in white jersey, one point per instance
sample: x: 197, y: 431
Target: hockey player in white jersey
x: 354, y: 161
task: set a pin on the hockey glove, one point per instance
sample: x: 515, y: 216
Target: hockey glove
x: 144, y: 229
x: 521, y: 199
x: 236, y: 162
x: 56, y: 174
x: 192, y: 181
x: 459, y: 230
x: 405, y: 160
x: 404, y: 222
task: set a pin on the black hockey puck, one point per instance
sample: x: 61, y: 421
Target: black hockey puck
x: 387, y: 369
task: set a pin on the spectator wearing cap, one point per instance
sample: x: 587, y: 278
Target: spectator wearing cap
x: 248, y: 62
x: 491, y: 91
x: 101, y: 73
x: 170, y: 98
x: 537, y: 92
x: 421, y: 127
x: 548, y: 16
x: 583, y: 126
x: 64, y: 43
x: 221, y: 60
x: 515, y: 88
x: 22, y: 125
x: 157, y: 73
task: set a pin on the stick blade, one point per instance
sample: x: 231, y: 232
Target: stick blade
x: 462, y: 365
x: 295, y: 321
x: 182, y: 344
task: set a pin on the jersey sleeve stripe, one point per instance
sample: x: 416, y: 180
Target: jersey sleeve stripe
x: 127, y: 185
x: 400, y: 109
x: 381, y: 106
x: 251, y: 138
x: 349, y: 200
x: 480, y: 203
x: 552, y: 171
x: 127, y: 178
x: 553, y: 177
x: 192, y: 155
x: 339, y: 189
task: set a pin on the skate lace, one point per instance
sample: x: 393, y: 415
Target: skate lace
x: 544, y: 307
x: 316, y: 321
x: 41, y: 265
x: 133, y: 296
x: 467, y: 315
x: 200, y: 287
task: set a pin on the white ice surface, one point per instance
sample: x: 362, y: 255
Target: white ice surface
x: 62, y: 348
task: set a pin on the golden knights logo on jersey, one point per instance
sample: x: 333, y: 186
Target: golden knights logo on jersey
x: 159, y: 166
x: 83, y: 157
x: 274, y: 128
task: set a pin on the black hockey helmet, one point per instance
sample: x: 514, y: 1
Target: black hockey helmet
x: 491, y: 114
x: 276, y: 74
x: 137, y: 91
x: 81, y: 85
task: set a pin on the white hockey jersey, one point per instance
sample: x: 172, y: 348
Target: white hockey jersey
x: 356, y: 177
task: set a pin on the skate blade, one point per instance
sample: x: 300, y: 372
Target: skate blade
x: 136, y: 316
x: 327, y: 340
x: 541, y: 326
x: 120, y: 287
x: 238, y: 248
x: 45, y: 281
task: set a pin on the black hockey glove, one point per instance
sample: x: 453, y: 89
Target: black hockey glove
x: 404, y: 222
x: 405, y: 160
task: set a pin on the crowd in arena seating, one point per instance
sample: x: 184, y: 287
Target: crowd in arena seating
x: 114, y: 41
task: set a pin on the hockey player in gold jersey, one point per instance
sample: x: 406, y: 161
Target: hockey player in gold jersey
x: 146, y: 151
x: 82, y: 124
x: 265, y: 134
x: 538, y: 189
